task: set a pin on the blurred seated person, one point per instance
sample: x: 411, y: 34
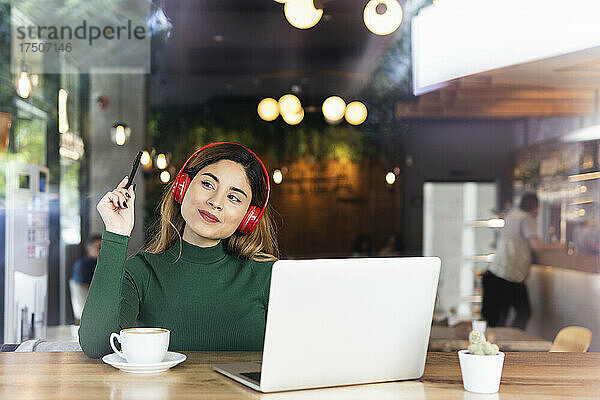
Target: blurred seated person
x: 393, y: 246
x: 81, y: 275
x: 363, y: 247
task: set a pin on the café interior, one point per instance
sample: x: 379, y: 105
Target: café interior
x: 389, y: 128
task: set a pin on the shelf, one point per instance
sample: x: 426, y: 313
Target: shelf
x: 489, y: 223
x: 485, y: 258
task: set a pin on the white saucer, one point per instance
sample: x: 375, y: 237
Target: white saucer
x: 171, y: 359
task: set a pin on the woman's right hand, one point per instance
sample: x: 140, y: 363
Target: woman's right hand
x: 116, y: 209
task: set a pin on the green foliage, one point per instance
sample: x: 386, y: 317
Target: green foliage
x: 182, y: 132
x: 30, y: 141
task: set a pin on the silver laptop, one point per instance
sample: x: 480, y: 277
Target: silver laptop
x: 343, y: 321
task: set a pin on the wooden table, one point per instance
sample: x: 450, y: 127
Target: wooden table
x: 71, y: 375
x: 452, y: 339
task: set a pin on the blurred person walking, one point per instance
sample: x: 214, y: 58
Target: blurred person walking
x: 504, y: 282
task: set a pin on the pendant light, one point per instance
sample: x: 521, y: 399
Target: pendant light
x: 333, y: 109
x: 382, y: 17
x: 302, y: 14
x: 120, y: 131
x: 268, y: 109
x: 356, y: 113
x: 23, y: 81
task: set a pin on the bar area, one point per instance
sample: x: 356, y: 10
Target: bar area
x: 564, y: 283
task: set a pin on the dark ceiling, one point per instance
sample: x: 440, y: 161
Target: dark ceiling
x: 260, y: 53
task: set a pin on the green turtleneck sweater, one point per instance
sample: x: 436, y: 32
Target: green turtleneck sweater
x: 208, y: 299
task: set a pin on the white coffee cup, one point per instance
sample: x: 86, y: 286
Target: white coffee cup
x: 142, y: 345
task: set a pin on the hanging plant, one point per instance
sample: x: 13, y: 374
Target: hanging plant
x: 277, y: 141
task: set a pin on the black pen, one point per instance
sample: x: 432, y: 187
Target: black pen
x: 134, y: 168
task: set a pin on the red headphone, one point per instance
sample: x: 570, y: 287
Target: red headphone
x: 254, y: 213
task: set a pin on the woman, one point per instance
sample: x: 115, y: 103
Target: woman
x: 206, y: 274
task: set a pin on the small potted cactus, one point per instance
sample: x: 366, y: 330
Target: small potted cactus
x: 481, y: 365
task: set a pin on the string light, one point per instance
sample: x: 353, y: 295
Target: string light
x: 120, y: 133
x: 277, y: 176
x: 161, y: 161
x: 165, y: 176
x: 390, y: 178
x: 145, y: 159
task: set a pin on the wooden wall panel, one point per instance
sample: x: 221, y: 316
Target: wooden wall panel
x: 322, y: 207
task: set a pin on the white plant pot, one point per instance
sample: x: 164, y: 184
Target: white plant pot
x: 481, y: 374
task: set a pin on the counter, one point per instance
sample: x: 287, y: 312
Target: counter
x: 564, y: 296
x: 579, y: 262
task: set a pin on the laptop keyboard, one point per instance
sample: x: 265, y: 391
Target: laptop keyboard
x: 253, y: 376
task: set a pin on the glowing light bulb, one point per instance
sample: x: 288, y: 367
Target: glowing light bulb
x: 268, y: 109
x: 24, y: 85
x: 302, y: 14
x: 386, y: 22
x: 120, y: 135
x: 165, y: 176
x: 63, y: 120
x: 334, y: 108
x: 390, y: 178
x: 161, y: 161
x: 289, y: 105
x: 277, y: 176
x: 293, y: 119
x: 145, y: 159
x: 356, y: 113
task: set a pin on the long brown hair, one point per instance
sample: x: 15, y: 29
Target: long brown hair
x: 259, y: 245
